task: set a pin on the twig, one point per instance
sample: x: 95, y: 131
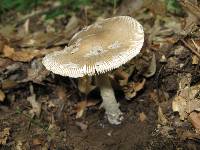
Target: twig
x: 195, y: 44
x: 192, y: 8
x: 191, y: 48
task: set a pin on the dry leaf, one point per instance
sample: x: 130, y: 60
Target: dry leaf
x: 128, y: 7
x: 186, y: 99
x: 8, y: 30
x: 195, y: 60
x: 192, y: 10
x: 60, y: 101
x: 194, y: 118
x: 37, y: 73
x: 26, y: 26
x: 39, y: 39
x: 82, y: 125
x: 8, y: 51
x: 85, y: 85
x: 163, y: 59
x: 132, y: 88
x: 37, y: 141
x: 36, y: 106
x: 122, y: 76
x: 8, y: 84
x: 61, y: 92
x: 158, y: 7
x: 4, y: 63
x: 2, y: 96
x: 153, y: 96
x: 23, y: 56
x: 165, y: 131
x: 161, y: 117
x: 3, y: 41
x: 19, y: 145
x: 142, y: 117
x: 72, y: 24
x: 4, y: 136
x: 139, y: 85
x: 187, y: 135
x: 179, y: 105
x: 152, y: 67
x: 185, y: 82
x: 81, y: 106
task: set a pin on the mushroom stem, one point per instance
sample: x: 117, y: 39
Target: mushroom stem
x: 109, y: 103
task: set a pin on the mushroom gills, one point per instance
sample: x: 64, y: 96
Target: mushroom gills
x: 109, y: 103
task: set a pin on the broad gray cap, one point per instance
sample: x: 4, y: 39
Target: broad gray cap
x: 98, y: 48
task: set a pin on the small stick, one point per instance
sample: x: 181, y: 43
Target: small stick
x: 195, y: 44
x: 191, y: 48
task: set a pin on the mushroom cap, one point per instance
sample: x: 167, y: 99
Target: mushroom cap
x: 98, y: 48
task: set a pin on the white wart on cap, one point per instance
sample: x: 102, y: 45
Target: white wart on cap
x: 98, y: 48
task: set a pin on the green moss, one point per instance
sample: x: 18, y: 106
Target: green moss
x: 173, y: 6
x: 75, y: 4
x: 18, y: 5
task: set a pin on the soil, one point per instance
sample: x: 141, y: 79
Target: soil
x: 100, y: 135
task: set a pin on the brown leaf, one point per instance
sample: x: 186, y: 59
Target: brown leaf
x: 36, y: 106
x: 139, y: 85
x: 193, y: 11
x: 81, y: 106
x: 39, y: 39
x: 2, y: 96
x: 194, y: 118
x: 122, y: 76
x: 4, y: 136
x: 19, y: 145
x: 152, y: 67
x: 8, y: 84
x: 142, y: 117
x: 82, y: 125
x: 23, y: 56
x: 186, y: 99
x: 8, y: 51
x: 37, y: 73
x: 128, y: 7
x: 4, y: 62
x: 85, y: 85
x: 161, y: 117
x: 37, y: 141
x: 132, y: 88
x: 8, y: 30
x: 72, y: 24
x: 153, y: 96
x: 3, y: 41
x: 179, y: 105
x: 61, y: 92
x: 195, y: 60
x: 158, y: 7
x: 187, y: 134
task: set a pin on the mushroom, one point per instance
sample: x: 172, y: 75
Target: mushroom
x: 96, y: 50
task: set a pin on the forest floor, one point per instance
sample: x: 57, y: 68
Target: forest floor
x: 158, y: 91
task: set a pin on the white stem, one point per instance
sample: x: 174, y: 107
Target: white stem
x: 109, y: 103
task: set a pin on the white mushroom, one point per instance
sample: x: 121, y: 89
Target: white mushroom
x: 97, y: 49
